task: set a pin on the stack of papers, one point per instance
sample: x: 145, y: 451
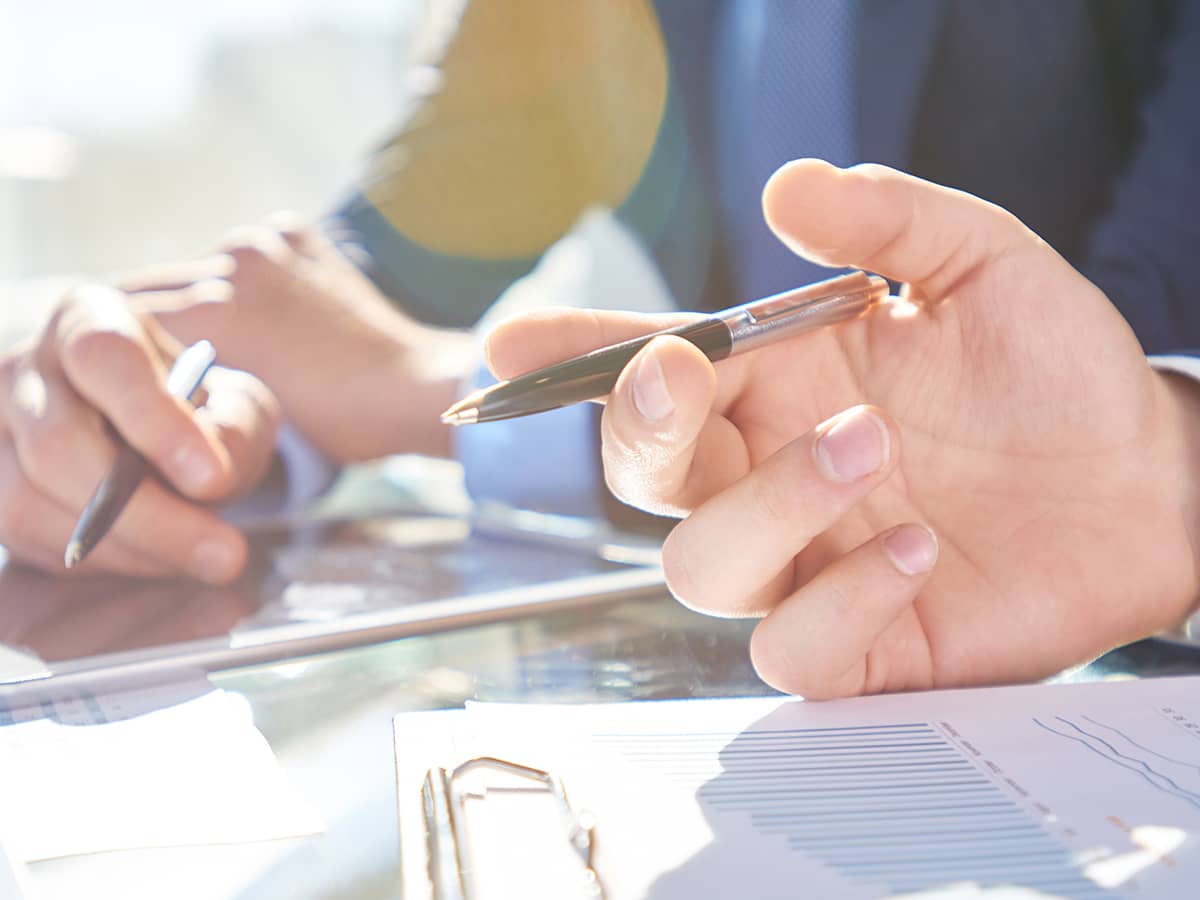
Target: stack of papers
x: 1083, y: 791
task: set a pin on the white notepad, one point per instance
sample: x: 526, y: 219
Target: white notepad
x: 1083, y: 791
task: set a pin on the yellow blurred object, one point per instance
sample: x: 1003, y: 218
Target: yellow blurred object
x: 543, y: 109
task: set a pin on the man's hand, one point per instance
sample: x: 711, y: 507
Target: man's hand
x: 1003, y: 406
x: 94, y: 363
x: 355, y: 375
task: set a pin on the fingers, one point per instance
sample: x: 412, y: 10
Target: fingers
x: 56, y: 448
x: 111, y: 361
x: 818, y: 641
x: 198, y: 299
x: 546, y: 336
x: 244, y: 417
x: 299, y: 233
x: 202, y: 310
x: 35, y: 529
x: 47, y: 475
x: 878, y: 219
x: 176, y: 276
x: 764, y: 519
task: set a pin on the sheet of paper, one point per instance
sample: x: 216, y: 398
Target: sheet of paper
x: 17, y: 665
x: 1084, y: 791
x: 93, y: 773
x: 14, y: 877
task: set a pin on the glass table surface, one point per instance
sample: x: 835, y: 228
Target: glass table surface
x: 328, y: 720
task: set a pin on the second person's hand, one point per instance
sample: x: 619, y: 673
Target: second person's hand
x: 986, y: 484
x: 95, y: 365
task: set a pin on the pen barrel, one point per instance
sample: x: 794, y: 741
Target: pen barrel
x: 804, y: 309
x: 592, y: 375
x: 111, y: 496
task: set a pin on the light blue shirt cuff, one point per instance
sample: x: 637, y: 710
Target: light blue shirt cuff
x: 546, y: 462
x: 307, y: 474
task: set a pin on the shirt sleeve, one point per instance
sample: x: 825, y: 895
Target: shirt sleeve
x: 300, y: 474
x: 1179, y: 363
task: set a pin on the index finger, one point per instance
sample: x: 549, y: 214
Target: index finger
x: 113, y: 361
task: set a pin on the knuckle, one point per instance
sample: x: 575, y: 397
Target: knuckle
x: 99, y: 348
x: 874, y: 171
x: 291, y: 225
x: 254, y: 250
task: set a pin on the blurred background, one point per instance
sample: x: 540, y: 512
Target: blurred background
x: 137, y: 131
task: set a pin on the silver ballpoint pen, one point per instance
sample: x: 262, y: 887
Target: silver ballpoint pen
x: 722, y: 334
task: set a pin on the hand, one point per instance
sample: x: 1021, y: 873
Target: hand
x: 1011, y: 414
x: 95, y: 361
x: 355, y: 375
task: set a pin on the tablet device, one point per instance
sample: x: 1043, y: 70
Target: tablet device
x: 315, y: 586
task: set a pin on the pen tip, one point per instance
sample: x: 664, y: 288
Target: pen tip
x: 454, y: 416
x: 74, y: 554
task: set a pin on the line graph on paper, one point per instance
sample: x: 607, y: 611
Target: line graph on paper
x: 896, y: 805
x: 1173, y: 773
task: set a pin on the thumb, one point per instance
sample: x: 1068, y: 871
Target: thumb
x: 875, y: 218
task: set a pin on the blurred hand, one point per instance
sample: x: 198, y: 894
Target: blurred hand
x: 95, y: 361
x: 354, y: 374
x: 1017, y: 497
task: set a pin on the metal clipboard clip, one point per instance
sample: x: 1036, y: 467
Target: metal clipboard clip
x: 444, y: 797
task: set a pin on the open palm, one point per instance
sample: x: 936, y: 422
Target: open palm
x: 1026, y: 430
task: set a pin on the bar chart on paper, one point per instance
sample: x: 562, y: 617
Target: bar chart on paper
x: 897, y: 807
x: 1081, y: 791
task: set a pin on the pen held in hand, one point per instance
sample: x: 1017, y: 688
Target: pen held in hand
x: 129, y: 468
x: 722, y: 334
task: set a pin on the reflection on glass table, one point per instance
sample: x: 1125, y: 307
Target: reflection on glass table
x: 314, y: 586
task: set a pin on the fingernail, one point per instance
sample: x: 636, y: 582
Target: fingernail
x: 913, y: 549
x: 193, y: 469
x: 650, y: 394
x: 854, y: 446
x: 214, y: 560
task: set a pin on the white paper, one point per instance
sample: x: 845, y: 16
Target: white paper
x: 1082, y: 791
x: 17, y: 665
x: 14, y: 877
x: 78, y: 776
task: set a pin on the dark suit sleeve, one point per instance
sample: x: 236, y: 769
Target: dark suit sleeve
x: 1143, y: 251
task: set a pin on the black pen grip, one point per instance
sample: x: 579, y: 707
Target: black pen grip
x: 111, y: 495
x: 593, y: 374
